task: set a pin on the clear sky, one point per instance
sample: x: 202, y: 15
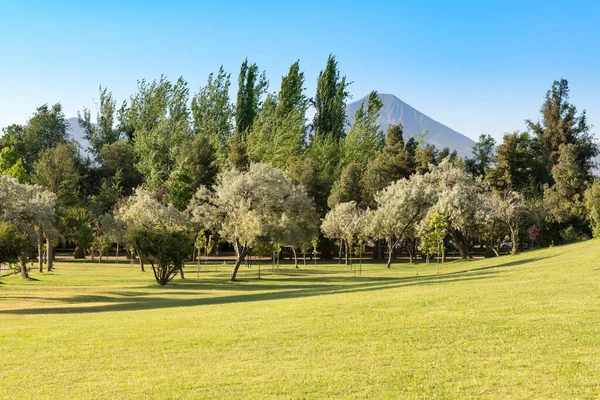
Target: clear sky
x: 476, y: 66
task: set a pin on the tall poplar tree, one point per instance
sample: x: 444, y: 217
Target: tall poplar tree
x: 213, y: 112
x: 330, y: 102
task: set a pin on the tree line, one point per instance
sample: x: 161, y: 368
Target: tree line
x: 169, y: 171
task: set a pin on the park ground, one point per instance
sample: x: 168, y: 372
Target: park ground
x: 524, y: 326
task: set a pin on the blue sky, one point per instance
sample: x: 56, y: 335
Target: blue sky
x: 476, y: 66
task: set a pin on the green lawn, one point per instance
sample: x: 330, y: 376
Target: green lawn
x: 523, y: 327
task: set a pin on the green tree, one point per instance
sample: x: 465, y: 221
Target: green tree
x: 517, y: 165
x: 213, y: 113
x: 389, y: 166
x: 348, y: 187
x: 278, y: 132
x: 159, y: 116
x: 561, y: 124
x: 46, y: 129
x: 12, y: 165
x: 330, y: 103
x: 166, y: 248
x: 564, y: 201
x: 57, y: 171
x: 251, y: 87
x: 103, y: 132
x: 365, y: 140
x: 592, y: 206
x: 483, y: 156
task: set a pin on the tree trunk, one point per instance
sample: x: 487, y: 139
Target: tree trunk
x: 295, y: 257
x: 40, y: 251
x: 347, y: 252
x: 49, y: 253
x: 117, y: 254
x: 181, y: 272
x: 390, y: 252
x: 23, y: 264
x: 340, y: 252
x: 513, y: 238
x: 141, y: 260
x: 241, y: 252
x: 409, y: 248
x: 459, y: 242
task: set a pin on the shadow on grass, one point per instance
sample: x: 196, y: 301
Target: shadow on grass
x: 253, y: 290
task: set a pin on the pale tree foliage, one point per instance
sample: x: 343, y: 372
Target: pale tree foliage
x: 400, y: 207
x: 109, y: 230
x: 507, y: 208
x: 252, y: 206
x: 458, y: 202
x: 299, y: 223
x: 344, y: 222
x: 30, y: 210
x: 143, y: 212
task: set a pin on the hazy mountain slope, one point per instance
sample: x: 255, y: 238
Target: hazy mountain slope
x: 395, y: 110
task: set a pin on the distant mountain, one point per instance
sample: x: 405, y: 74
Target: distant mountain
x: 415, y: 122
x: 77, y: 132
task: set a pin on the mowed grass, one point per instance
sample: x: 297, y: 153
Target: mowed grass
x: 526, y: 326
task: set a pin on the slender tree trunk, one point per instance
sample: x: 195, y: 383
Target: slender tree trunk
x: 23, y: 264
x: 390, y: 252
x: 41, y: 251
x: 304, y: 257
x: 181, y: 271
x: 513, y: 238
x: 198, y: 263
x: 49, y: 253
x: 295, y: 257
x: 117, y: 254
x: 346, y: 245
x: 241, y: 252
x: 340, y: 252
x: 141, y: 260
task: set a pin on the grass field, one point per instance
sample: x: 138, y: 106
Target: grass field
x: 526, y: 326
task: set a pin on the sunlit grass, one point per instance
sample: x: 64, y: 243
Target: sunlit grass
x: 523, y: 326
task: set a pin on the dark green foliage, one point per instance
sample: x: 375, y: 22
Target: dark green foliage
x: 196, y: 166
x: 395, y: 162
x: 348, y: 187
x: 483, y: 156
x: 45, y: 130
x: 518, y: 165
x: 251, y: 86
x: 561, y: 124
x: 12, y: 243
x: 564, y: 201
x: 165, y: 248
x: 57, y: 171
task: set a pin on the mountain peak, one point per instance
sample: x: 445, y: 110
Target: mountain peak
x: 415, y: 122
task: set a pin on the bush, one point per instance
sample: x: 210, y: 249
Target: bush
x: 165, y: 248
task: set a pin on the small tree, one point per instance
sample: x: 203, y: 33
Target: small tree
x: 249, y: 206
x: 432, y: 237
x: 344, y: 222
x: 165, y: 248
x: 400, y: 207
x: 508, y: 208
